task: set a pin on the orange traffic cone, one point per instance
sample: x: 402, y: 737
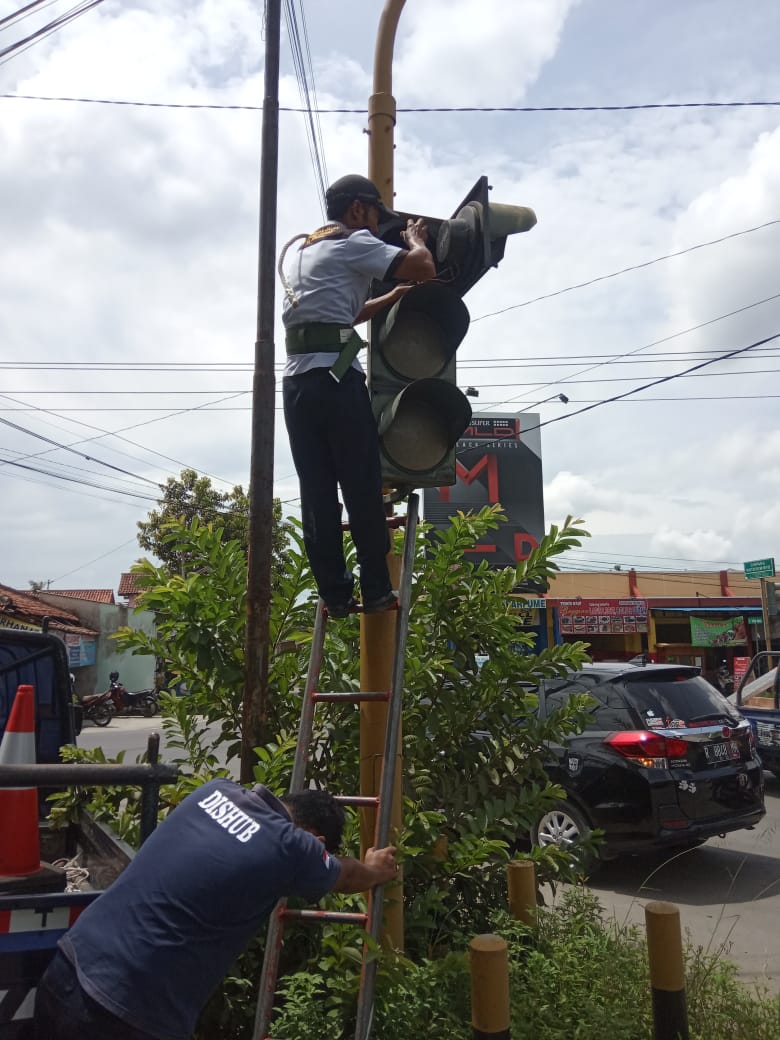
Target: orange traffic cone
x: 20, y: 850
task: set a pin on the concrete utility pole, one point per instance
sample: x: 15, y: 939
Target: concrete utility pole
x: 255, y: 728
x: 377, y: 631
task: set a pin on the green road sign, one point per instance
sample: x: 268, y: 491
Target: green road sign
x: 760, y: 568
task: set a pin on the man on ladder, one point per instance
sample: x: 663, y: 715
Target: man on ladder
x: 332, y: 431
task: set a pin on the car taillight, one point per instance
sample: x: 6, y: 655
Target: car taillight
x: 647, y: 748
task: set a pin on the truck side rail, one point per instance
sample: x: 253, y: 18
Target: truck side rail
x: 148, y: 775
x: 752, y: 673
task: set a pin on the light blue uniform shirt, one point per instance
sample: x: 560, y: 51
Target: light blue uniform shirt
x: 331, y: 280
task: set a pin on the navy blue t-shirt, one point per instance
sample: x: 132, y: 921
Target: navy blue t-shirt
x: 153, y: 947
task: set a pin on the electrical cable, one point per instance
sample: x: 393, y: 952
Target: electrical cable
x: 635, y: 390
x: 64, y: 447
x: 652, y: 106
x: 96, y: 560
x: 302, y: 75
x: 654, y: 343
x: 25, y: 12
x: 658, y: 382
x: 75, y: 480
x: 24, y: 44
x: 107, y: 433
x: 627, y: 270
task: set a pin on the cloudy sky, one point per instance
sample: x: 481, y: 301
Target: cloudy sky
x: 128, y: 267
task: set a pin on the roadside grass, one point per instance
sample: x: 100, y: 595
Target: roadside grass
x: 576, y: 976
x: 583, y: 977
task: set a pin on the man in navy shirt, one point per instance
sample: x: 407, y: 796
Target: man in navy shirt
x: 142, y: 960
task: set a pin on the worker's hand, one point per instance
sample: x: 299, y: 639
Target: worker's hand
x: 382, y: 863
x: 399, y: 291
x: 416, y: 232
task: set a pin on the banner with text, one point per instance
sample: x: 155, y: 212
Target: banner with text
x: 602, y: 616
x: 718, y: 631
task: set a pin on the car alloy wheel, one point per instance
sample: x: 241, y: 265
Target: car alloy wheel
x: 563, y: 826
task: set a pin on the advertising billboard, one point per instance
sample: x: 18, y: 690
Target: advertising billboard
x: 498, y: 460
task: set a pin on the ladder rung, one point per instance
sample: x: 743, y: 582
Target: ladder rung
x: 367, y: 800
x: 325, y: 917
x: 352, y: 697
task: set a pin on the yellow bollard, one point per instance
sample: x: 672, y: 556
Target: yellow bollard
x: 521, y: 883
x: 489, y: 959
x: 667, y: 971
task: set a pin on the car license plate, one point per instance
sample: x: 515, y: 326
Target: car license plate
x: 725, y: 751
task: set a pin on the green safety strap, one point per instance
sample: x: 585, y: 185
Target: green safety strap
x: 316, y: 337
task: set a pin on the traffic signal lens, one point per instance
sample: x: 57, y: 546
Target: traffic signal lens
x: 416, y: 442
x: 419, y: 336
x: 415, y: 348
x: 419, y: 427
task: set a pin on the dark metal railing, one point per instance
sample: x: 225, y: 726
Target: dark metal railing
x: 150, y: 776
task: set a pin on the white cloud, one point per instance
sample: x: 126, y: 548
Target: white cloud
x: 691, y: 545
x: 457, y: 52
x: 130, y: 236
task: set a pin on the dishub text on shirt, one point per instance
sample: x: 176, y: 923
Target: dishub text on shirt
x: 228, y: 815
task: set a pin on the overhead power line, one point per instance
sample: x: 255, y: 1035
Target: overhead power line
x: 24, y: 12
x: 100, y: 433
x: 24, y: 44
x: 79, y: 480
x: 640, y: 350
x: 304, y: 73
x: 644, y: 107
x: 64, y: 447
x: 632, y: 267
x: 658, y: 382
x: 638, y: 389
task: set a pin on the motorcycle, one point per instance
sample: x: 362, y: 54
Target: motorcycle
x: 98, y: 708
x: 144, y: 702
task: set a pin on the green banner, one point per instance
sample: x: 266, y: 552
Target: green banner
x: 718, y: 631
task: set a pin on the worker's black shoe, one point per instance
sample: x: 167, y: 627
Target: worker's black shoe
x: 341, y: 610
x: 387, y: 602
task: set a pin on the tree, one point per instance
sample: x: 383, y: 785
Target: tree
x: 192, y: 497
x: 473, y: 761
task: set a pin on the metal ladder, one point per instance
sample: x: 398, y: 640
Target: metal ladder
x: 372, y: 920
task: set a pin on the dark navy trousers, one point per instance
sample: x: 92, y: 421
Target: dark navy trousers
x: 63, y: 1011
x: 334, y: 442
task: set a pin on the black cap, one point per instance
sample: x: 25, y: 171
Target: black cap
x: 346, y: 189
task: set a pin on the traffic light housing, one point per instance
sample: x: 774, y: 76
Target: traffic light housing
x: 466, y: 245
x: 474, y: 238
x: 420, y: 412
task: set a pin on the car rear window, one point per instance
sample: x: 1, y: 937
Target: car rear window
x: 671, y: 697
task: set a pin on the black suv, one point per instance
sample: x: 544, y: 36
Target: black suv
x: 664, y: 760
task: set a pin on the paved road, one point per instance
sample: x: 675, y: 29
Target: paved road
x: 126, y: 733
x: 728, y: 890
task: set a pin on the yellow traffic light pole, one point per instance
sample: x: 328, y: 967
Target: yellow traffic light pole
x: 377, y: 631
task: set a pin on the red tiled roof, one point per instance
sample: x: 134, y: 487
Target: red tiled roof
x: 129, y: 584
x: 27, y: 606
x: 92, y: 595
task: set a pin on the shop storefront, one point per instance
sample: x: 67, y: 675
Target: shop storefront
x: 715, y: 639
x: 531, y: 616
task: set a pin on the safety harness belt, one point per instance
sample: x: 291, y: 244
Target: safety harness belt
x: 315, y: 337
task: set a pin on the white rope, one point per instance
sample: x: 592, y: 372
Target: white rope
x: 76, y: 875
